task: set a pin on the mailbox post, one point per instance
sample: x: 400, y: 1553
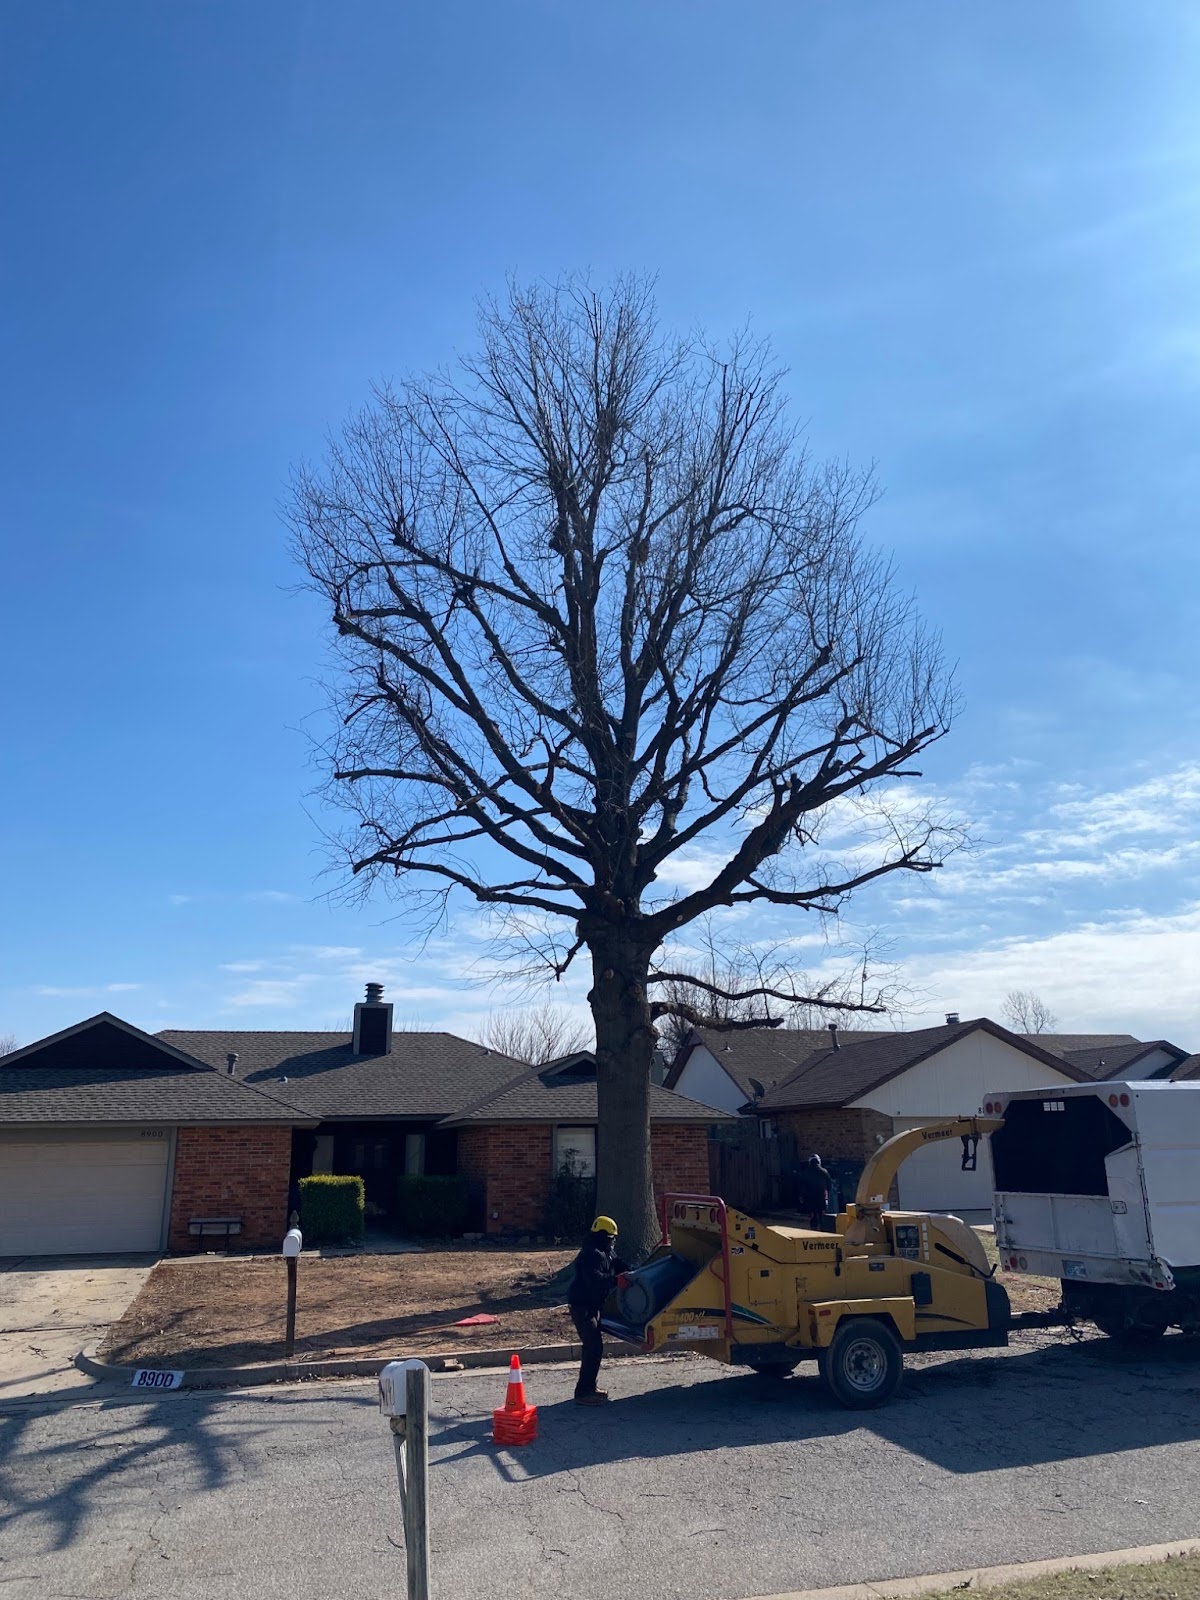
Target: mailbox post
x: 293, y: 1243
x: 404, y: 1401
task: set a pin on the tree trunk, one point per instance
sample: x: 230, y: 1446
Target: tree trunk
x: 625, y: 1041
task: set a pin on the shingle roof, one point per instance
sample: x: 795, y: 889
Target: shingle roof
x: 1061, y: 1044
x: 533, y: 1098
x: 1187, y: 1070
x: 426, y: 1075
x: 837, y: 1077
x: 1111, y: 1061
x: 105, y: 1070
x: 768, y: 1054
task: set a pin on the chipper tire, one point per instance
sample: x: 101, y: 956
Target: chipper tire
x: 863, y: 1364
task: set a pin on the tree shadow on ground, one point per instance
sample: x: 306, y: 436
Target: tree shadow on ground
x: 155, y: 1445
x: 980, y: 1414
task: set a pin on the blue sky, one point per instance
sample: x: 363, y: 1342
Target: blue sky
x: 971, y: 232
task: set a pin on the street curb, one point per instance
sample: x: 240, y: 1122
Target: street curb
x: 348, y: 1366
x: 992, y: 1577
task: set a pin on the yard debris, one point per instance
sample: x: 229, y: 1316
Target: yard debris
x: 479, y: 1321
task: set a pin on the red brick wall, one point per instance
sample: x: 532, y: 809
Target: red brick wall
x: 231, y: 1172
x: 515, y: 1163
x: 836, y: 1135
x: 518, y: 1166
x: 679, y: 1157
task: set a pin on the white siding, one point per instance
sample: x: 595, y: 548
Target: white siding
x: 705, y: 1079
x: 1148, y: 1066
x: 953, y: 1083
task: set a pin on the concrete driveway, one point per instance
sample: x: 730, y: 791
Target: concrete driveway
x: 52, y: 1306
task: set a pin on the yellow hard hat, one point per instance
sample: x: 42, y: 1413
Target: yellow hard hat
x: 605, y: 1225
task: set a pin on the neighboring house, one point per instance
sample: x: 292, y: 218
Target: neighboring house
x: 112, y: 1139
x: 842, y: 1101
x: 1188, y: 1069
x: 723, y: 1068
x: 1113, y: 1055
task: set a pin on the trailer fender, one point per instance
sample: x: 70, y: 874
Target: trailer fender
x: 820, y: 1318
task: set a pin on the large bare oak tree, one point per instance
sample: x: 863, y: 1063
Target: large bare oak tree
x: 598, y: 614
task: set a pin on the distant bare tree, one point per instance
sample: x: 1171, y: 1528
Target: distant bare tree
x: 727, y: 987
x: 8, y: 1043
x: 599, y: 618
x: 1027, y: 1012
x: 536, y: 1034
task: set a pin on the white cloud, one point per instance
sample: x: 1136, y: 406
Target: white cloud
x: 271, y: 897
x: 84, y: 991
x: 1128, y: 972
x: 267, y: 992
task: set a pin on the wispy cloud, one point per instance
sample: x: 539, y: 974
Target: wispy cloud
x: 86, y: 991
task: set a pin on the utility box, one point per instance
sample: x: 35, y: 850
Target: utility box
x: 1098, y: 1185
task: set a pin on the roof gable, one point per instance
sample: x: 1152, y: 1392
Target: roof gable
x: 101, y: 1041
x: 762, y: 1055
x: 106, y: 1071
x: 831, y: 1078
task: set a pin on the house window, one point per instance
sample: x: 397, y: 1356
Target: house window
x: 575, y: 1147
x: 414, y: 1154
x: 323, y: 1153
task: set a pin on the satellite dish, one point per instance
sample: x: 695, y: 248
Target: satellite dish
x: 759, y: 1091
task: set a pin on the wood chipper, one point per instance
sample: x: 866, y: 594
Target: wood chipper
x: 766, y: 1296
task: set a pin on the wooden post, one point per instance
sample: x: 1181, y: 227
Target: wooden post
x: 289, y: 1346
x: 416, y: 1488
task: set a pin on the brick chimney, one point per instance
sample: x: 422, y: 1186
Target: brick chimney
x: 373, y: 1024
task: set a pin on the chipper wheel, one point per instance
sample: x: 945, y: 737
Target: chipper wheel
x: 864, y: 1363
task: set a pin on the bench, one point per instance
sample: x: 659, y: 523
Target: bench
x: 215, y: 1227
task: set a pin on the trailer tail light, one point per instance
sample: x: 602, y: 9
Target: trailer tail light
x: 1113, y: 1100
x: 1124, y: 1099
x: 1024, y: 1262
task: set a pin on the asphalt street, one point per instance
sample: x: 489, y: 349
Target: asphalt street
x: 695, y: 1482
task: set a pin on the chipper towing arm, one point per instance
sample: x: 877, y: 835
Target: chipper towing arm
x: 767, y: 1296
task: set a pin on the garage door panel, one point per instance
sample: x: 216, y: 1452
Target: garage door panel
x: 65, y: 1197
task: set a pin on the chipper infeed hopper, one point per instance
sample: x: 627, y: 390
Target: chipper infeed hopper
x: 767, y: 1296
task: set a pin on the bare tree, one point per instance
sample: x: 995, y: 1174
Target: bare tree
x: 729, y: 986
x: 1028, y: 1012
x: 536, y: 1034
x: 599, y: 617
x: 8, y: 1043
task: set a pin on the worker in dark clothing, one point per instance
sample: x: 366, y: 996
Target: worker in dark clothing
x: 815, y: 1185
x: 596, y: 1269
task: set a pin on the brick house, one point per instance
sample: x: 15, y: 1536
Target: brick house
x: 515, y: 1141
x: 112, y: 1139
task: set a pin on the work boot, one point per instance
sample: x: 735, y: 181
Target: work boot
x: 596, y: 1398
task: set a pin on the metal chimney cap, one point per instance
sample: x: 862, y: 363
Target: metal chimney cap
x: 833, y: 1036
x: 231, y: 1061
x: 374, y: 993
x: 952, y: 1019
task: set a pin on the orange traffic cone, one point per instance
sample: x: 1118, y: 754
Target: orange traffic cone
x: 516, y: 1420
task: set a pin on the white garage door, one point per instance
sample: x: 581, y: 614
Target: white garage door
x: 68, y: 1197
x: 932, y: 1178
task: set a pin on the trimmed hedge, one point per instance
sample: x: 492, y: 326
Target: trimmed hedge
x: 332, y: 1208
x: 432, y: 1207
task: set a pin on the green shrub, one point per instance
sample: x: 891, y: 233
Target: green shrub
x: 572, y: 1207
x: 332, y: 1208
x: 432, y: 1207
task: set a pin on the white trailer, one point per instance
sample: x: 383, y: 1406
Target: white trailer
x: 1098, y: 1184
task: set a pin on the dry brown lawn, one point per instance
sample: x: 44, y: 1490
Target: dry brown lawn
x: 230, y: 1312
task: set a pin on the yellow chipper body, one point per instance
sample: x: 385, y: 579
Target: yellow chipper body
x: 767, y: 1296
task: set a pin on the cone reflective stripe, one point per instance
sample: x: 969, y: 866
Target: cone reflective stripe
x: 515, y: 1399
x: 515, y: 1422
